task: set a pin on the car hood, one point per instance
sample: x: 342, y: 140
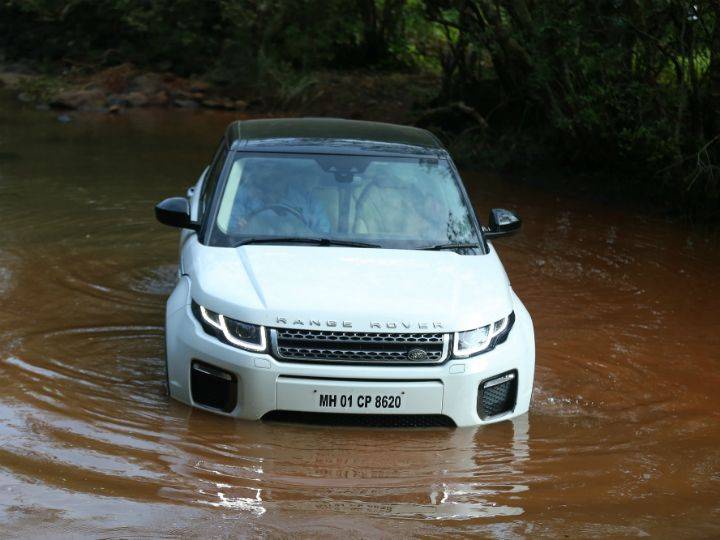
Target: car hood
x: 349, y: 288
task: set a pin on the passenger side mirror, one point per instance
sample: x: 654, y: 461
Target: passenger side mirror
x: 502, y: 223
x: 175, y: 212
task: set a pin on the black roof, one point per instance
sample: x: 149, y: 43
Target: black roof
x: 331, y: 135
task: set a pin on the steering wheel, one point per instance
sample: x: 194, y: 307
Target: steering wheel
x: 280, y: 209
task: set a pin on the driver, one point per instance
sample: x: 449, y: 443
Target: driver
x: 271, y: 196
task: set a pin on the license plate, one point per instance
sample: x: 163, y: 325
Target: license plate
x: 359, y: 397
x: 361, y: 401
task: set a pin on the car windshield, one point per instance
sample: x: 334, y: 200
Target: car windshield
x: 402, y: 203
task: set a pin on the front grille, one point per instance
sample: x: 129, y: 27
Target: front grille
x: 363, y: 420
x: 359, y: 347
x: 497, y: 395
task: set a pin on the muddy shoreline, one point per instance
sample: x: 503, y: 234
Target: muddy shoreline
x: 373, y: 96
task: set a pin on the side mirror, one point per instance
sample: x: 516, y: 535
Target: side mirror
x: 502, y: 223
x: 175, y: 212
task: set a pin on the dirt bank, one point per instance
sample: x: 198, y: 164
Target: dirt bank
x: 381, y: 96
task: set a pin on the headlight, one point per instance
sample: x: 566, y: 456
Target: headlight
x: 246, y: 336
x: 483, y: 339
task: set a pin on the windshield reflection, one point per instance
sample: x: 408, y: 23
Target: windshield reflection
x: 391, y: 202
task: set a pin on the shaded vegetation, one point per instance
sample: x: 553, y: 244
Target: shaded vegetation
x: 626, y: 87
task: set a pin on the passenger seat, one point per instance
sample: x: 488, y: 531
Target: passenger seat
x: 389, y: 206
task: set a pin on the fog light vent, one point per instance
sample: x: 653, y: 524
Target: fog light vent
x: 497, y: 395
x: 213, y: 387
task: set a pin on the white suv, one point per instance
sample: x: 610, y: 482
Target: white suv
x: 333, y: 267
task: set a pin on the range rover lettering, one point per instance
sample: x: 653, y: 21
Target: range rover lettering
x: 337, y: 266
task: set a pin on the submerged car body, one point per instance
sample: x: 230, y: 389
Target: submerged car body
x: 334, y: 266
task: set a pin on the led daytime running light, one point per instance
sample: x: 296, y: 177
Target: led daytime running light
x: 491, y: 331
x: 221, y: 325
x: 240, y: 343
x: 209, y: 320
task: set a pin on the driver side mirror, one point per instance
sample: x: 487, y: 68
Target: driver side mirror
x: 502, y: 223
x: 175, y: 212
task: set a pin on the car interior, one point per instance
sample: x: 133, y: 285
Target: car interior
x: 302, y: 195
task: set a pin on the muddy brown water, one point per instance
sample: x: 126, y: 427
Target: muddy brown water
x: 621, y: 440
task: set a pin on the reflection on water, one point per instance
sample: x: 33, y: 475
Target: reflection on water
x: 344, y: 475
x: 622, y: 438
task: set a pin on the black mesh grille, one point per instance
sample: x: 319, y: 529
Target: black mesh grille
x: 359, y: 347
x: 364, y: 420
x: 497, y: 395
x: 353, y: 337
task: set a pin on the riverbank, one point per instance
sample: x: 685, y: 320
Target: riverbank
x: 394, y: 97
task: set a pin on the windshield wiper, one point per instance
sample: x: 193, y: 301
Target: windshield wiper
x: 439, y: 247
x: 304, y: 240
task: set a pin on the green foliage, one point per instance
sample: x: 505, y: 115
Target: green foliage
x: 188, y: 36
x: 630, y: 87
x: 287, y: 87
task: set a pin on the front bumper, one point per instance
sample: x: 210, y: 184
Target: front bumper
x: 263, y: 384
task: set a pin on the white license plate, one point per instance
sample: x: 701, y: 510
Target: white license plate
x: 379, y: 402
x: 359, y: 397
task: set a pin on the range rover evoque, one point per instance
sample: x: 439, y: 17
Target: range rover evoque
x: 337, y: 266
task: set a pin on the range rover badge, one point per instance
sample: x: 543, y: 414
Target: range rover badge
x: 417, y: 354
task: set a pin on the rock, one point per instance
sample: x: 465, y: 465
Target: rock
x: 64, y: 118
x: 133, y: 99
x: 115, y: 79
x: 159, y: 99
x: 199, y: 86
x: 13, y: 79
x: 179, y: 93
x: 219, y: 103
x: 25, y: 97
x: 79, y: 99
x: 137, y: 99
x: 453, y: 118
x: 118, y: 100
x: 186, y: 103
x: 212, y: 104
x: 42, y: 107
x: 114, y: 109
x: 148, y: 83
x: 240, y: 105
